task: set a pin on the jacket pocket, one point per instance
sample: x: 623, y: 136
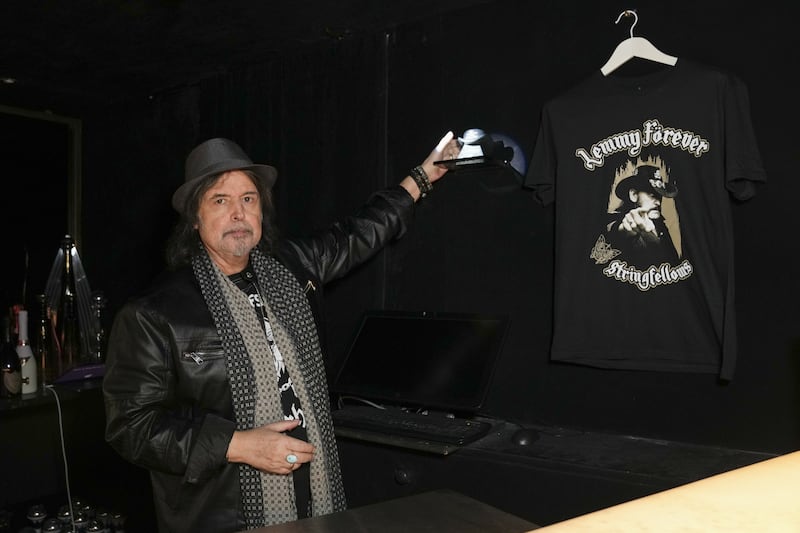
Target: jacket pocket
x: 202, y: 374
x: 201, y: 356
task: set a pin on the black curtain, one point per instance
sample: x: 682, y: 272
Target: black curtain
x: 317, y: 115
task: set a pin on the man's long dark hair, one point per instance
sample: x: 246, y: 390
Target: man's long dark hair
x: 184, y: 241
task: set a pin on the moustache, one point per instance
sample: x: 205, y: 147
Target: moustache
x: 239, y: 229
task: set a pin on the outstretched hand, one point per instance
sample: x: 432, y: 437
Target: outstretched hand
x: 447, y: 148
x: 639, y: 222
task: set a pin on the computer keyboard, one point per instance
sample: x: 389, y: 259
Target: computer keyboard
x: 398, y: 422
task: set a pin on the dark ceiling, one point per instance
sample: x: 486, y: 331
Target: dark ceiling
x: 105, y: 50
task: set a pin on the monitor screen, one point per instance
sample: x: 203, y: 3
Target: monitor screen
x: 429, y: 360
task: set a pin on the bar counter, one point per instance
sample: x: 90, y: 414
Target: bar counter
x: 760, y: 498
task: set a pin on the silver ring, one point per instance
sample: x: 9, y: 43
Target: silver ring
x: 291, y: 458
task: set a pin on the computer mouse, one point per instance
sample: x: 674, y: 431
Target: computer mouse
x: 524, y: 436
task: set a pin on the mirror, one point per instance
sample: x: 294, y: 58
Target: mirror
x: 41, y: 159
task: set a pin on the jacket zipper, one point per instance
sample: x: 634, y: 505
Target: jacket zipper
x: 197, y: 357
x: 309, y: 287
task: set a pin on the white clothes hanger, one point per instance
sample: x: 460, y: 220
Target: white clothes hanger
x: 634, y: 47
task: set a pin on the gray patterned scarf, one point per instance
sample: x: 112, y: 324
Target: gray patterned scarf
x: 254, y: 388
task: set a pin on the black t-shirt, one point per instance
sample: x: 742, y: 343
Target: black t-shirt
x: 622, y: 307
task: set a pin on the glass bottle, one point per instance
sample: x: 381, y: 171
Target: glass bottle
x: 51, y: 525
x: 80, y: 522
x: 27, y: 361
x: 99, y: 342
x: 9, y: 362
x: 64, y: 514
x: 118, y: 522
x: 6, y: 517
x: 46, y: 348
x: 37, y: 513
x: 66, y: 317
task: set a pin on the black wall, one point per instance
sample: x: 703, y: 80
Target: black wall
x: 488, y: 246
x: 344, y: 118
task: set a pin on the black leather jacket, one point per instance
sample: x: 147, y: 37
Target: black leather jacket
x: 167, y: 396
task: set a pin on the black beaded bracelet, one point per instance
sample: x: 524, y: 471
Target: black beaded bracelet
x: 422, y: 180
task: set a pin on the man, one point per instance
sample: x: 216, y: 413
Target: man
x: 637, y: 228
x: 214, y: 378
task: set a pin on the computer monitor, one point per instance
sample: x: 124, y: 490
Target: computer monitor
x: 441, y: 361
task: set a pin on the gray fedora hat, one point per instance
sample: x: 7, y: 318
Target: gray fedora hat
x: 216, y: 156
x: 646, y: 178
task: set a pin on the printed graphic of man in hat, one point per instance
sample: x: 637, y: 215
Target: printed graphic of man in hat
x: 637, y: 228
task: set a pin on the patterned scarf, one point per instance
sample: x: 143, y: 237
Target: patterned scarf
x: 246, y: 351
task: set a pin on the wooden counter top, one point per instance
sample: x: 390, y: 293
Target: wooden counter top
x: 760, y: 498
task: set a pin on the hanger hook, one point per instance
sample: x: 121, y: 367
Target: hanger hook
x: 629, y: 13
